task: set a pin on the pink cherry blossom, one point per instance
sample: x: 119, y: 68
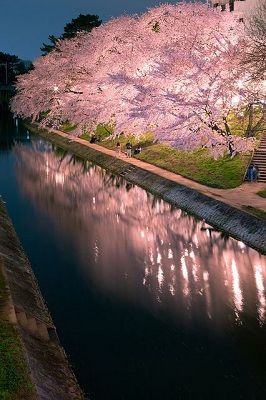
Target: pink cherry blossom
x: 174, y: 70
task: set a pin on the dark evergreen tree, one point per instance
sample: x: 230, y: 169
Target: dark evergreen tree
x: 81, y: 23
x: 46, y: 48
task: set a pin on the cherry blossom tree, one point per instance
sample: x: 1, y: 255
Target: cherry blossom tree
x: 175, y: 70
x: 255, y: 55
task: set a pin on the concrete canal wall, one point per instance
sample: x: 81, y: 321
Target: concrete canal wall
x: 50, y: 371
x: 234, y: 222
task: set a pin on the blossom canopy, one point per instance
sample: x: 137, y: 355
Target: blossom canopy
x: 174, y: 70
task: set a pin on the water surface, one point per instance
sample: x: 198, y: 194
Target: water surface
x: 149, y: 302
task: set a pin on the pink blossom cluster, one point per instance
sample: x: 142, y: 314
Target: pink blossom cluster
x: 174, y: 70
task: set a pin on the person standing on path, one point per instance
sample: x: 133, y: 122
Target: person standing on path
x: 118, y: 149
x: 250, y: 173
x: 128, y: 149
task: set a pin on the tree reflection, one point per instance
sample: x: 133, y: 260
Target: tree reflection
x: 11, y: 132
x: 139, y: 247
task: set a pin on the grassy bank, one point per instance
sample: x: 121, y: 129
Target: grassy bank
x: 15, y: 382
x: 255, y: 211
x: 200, y: 166
x: 262, y: 193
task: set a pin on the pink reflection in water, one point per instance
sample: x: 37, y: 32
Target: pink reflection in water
x: 140, y: 249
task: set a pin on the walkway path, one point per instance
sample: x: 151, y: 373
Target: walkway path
x: 244, y: 195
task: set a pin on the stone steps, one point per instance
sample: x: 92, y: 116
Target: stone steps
x: 259, y: 159
x: 259, y: 163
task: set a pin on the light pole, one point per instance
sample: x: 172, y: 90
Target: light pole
x: 10, y: 65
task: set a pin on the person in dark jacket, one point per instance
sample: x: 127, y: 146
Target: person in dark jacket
x: 137, y: 149
x: 250, y: 173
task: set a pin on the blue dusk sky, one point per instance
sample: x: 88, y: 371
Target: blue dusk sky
x: 26, y: 24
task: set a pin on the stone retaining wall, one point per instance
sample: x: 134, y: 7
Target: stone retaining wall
x: 50, y: 370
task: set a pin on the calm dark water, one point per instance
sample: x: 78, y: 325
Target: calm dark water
x: 148, y: 303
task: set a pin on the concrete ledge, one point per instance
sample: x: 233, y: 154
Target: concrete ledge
x: 234, y: 222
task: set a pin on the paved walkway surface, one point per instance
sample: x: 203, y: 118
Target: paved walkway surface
x: 244, y: 195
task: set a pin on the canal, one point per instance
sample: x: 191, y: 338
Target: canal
x: 149, y: 302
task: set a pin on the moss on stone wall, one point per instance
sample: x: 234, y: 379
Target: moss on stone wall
x: 15, y: 381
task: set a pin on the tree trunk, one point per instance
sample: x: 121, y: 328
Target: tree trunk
x: 249, y: 130
x: 231, y: 146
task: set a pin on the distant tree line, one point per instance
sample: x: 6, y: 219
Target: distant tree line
x: 11, y: 66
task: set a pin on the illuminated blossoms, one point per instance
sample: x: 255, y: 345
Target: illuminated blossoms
x: 174, y: 70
